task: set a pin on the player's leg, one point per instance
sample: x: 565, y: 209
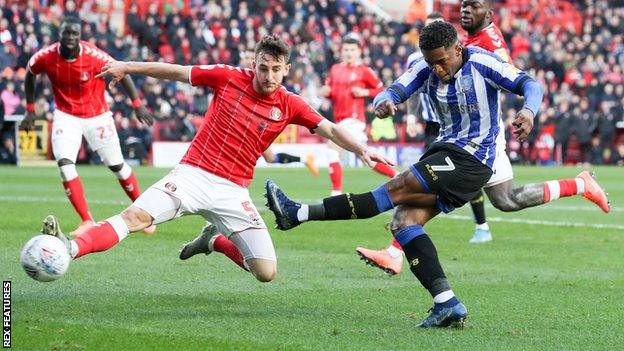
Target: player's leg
x: 210, y: 239
x: 102, y: 137
x: 482, y: 232
x: 153, y: 206
x: 283, y: 158
x: 505, y: 197
x: 335, y: 168
x: 407, y: 227
x: 256, y: 248
x: 66, y: 141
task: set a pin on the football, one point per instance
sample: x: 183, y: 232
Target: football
x: 45, y: 258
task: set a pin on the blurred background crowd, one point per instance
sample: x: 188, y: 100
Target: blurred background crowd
x: 574, y: 48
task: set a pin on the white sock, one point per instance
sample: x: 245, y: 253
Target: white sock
x: 580, y: 186
x: 303, y: 213
x: 73, y: 251
x: 483, y: 226
x: 119, y: 225
x: 443, y: 296
x: 395, y: 253
x: 124, y: 172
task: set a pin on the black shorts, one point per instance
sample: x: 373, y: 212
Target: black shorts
x: 452, y: 173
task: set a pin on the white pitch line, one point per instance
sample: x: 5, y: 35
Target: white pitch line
x: 261, y: 208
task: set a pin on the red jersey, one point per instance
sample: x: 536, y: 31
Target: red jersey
x: 341, y: 79
x: 76, y: 91
x: 491, y: 39
x: 241, y: 123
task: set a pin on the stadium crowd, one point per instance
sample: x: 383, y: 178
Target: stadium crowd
x: 574, y: 48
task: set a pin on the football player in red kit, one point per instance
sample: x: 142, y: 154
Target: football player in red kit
x: 249, y: 110
x: 81, y: 111
x: 348, y: 85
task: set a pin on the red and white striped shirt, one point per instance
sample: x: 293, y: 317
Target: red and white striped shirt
x: 342, y: 78
x: 491, y: 39
x: 241, y: 123
x: 76, y: 91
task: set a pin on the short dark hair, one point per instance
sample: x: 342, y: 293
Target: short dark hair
x: 435, y: 15
x: 437, y: 35
x: 351, y: 38
x: 274, y: 46
x: 71, y: 20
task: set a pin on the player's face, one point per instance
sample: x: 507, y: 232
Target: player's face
x: 350, y: 53
x: 70, y: 35
x: 247, y: 59
x: 475, y: 15
x: 444, y: 62
x: 270, y: 71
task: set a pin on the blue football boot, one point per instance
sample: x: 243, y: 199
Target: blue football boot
x: 284, y: 209
x: 442, y: 317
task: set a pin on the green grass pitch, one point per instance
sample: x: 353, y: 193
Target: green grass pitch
x: 552, y: 279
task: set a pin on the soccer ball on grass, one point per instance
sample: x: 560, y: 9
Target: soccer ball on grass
x: 45, y: 258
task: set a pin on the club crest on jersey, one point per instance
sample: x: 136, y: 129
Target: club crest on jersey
x: 465, y: 83
x: 84, y: 76
x: 275, y: 114
x: 171, y: 186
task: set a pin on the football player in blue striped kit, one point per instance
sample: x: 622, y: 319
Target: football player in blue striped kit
x: 463, y: 85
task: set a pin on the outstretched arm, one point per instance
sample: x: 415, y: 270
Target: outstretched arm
x: 140, y: 111
x: 118, y: 69
x: 345, y: 140
x: 29, y: 89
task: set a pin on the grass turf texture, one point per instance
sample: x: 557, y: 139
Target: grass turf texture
x: 539, y: 285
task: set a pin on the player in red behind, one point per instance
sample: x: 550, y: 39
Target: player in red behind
x: 348, y: 85
x: 249, y: 110
x: 476, y: 20
x: 81, y: 110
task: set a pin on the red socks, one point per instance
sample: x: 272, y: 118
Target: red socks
x: 555, y: 189
x: 75, y: 193
x: 130, y: 186
x: 100, y: 237
x: 227, y: 247
x: 385, y: 169
x: 335, y: 175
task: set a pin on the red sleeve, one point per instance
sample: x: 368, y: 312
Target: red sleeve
x: 214, y: 75
x: 36, y: 64
x: 374, y: 85
x: 304, y: 114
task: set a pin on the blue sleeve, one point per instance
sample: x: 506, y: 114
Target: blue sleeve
x: 533, y: 94
x: 411, y: 82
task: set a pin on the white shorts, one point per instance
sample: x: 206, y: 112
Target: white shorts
x: 99, y: 132
x: 502, y: 169
x: 356, y: 127
x: 190, y: 190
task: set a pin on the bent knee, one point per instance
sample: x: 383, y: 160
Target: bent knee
x: 263, y: 270
x: 136, y: 218
x: 505, y: 204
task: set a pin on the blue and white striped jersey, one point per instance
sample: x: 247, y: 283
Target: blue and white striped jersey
x: 426, y: 110
x: 467, y: 106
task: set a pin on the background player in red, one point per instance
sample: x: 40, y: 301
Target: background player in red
x: 476, y: 20
x: 348, y: 85
x: 249, y: 110
x: 81, y: 110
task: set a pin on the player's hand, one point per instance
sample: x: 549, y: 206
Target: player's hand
x: 115, y: 69
x: 144, y: 116
x: 29, y: 121
x: 325, y: 91
x: 370, y: 158
x: 359, y: 92
x: 386, y: 108
x: 523, y: 123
